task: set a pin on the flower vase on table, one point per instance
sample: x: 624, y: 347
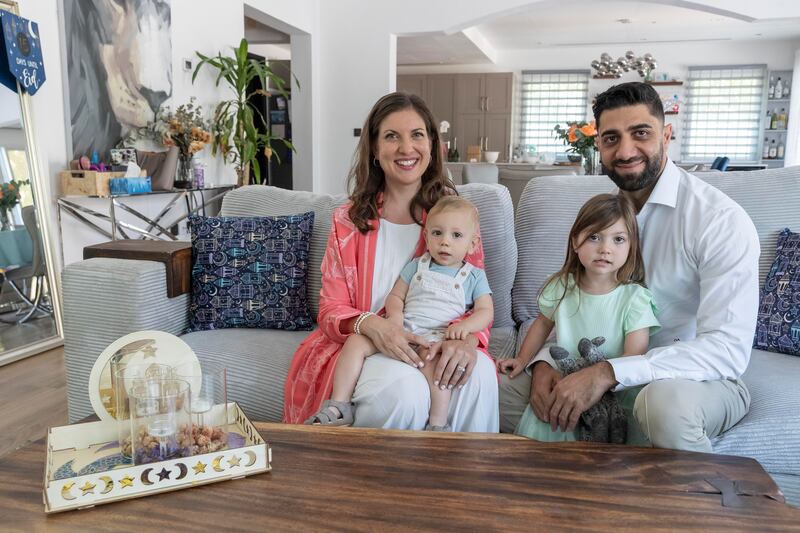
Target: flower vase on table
x: 591, y: 162
x: 183, y: 179
x: 5, y: 219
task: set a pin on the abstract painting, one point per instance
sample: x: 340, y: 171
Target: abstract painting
x: 119, y: 68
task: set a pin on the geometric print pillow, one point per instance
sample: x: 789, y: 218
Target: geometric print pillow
x: 778, y: 326
x: 250, y: 272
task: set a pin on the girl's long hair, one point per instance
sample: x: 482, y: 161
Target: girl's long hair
x: 596, y: 215
x: 367, y: 179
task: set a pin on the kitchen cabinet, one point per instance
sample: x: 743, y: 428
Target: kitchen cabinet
x: 477, y: 106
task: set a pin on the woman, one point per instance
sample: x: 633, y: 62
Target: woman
x: 396, y: 177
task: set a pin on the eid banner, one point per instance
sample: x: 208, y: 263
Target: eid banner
x: 23, y: 49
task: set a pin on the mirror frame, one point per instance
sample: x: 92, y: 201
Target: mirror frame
x: 42, y: 199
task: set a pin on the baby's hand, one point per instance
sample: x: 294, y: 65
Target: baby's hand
x: 512, y: 367
x: 457, y: 332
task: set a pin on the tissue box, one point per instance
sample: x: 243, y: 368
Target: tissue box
x: 130, y: 185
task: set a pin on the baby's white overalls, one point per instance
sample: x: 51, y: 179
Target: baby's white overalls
x: 434, y: 300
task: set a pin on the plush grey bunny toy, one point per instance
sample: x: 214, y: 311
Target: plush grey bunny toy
x: 606, y: 420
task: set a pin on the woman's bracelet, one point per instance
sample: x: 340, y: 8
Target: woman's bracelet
x: 359, y: 320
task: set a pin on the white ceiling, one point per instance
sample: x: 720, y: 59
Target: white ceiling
x: 560, y: 23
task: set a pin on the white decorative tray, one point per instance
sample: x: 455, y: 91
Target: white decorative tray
x: 84, y: 467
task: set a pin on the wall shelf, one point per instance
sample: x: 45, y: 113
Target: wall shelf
x: 670, y: 112
x: 673, y: 82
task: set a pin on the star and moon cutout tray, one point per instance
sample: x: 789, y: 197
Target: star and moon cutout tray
x: 85, y: 468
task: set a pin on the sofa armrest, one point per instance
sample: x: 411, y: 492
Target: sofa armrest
x: 105, y: 299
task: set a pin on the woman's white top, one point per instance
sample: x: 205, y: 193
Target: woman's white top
x: 395, y: 248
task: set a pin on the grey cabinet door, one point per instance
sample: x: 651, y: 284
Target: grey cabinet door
x: 414, y: 84
x: 498, y: 91
x: 470, y: 93
x: 470, y: 132
x: 497, y: 131
x: 441, y: 90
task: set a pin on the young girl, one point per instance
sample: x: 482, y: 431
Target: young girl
x: 432, y: 291
x: 599, y: 292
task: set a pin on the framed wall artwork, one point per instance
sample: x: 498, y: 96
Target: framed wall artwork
x: 119, y: 69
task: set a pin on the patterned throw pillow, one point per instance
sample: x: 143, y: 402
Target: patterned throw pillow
x: 778, y: 326
x: 250, y: 272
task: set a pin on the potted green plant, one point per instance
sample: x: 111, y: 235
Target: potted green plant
x: 235, y: 135
x: 9, y: 197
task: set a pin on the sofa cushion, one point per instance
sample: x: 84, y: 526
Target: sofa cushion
x: 250, y: 272
x: 778, y: 326
x: 499, y: 247
x: 261, y: 200
x: 770, y: 432
x: 545, y: 213
x: 769, y: 197
x: 257, y: 361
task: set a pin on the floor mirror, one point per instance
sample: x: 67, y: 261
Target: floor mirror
x: 30, y: 311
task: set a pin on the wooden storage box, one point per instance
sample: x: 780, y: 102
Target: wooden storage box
x: 87, y: 182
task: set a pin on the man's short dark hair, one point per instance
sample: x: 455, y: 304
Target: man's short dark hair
x: 628, y: 94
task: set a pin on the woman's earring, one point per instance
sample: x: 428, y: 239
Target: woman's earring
x: 375, y: 162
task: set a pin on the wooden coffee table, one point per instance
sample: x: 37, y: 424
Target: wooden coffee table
x: 367, y: 480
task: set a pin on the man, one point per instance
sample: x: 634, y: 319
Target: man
x: 701, y: 258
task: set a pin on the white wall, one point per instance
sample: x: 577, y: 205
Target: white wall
x: 198, y: 25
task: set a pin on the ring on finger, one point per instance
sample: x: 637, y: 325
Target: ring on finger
x: 461, y: 369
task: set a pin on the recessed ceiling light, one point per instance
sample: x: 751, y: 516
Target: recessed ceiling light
x: 624, y: 21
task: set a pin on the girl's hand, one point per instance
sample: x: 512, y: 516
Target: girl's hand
x: 456, y: 362
x: 456, y: 332
x: 392, y: 340
x: 512, y: 367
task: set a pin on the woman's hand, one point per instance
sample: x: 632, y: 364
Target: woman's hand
x: 392, y: 340
x: 456, y: 361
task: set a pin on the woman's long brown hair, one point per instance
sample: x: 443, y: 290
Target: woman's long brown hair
x: 367, y: 180
x: 596, y: 215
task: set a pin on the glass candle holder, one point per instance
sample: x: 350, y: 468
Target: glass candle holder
x: 161, y: 422
x: 209, y: 405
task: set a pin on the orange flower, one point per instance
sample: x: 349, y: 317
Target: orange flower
x: 589, y: 129
x: 571, y: 137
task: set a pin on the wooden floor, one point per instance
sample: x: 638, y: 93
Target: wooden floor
x: 33, y: 397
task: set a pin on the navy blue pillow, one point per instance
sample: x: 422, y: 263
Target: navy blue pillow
x: 250, y: 272
x: 778, y: 326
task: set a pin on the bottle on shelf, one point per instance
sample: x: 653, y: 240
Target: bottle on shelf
x: 773, y: 121
x: 786, y: 87
x: 782, y: 119
x: 768, y: 122
x: 765, y: 151
x: 778, y: 88
x: 771, y: 91
x: 779, y: 153
x: 456, y: 156
x: 773, y: 149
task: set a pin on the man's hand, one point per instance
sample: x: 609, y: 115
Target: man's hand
x: 576, y: 392
x: 543, y: 380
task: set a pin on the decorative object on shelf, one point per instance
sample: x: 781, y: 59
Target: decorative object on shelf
x: 580, y: 136
x: 9, y: 197
x: 236, y: 136
x: 187, y: 130
x: 607, y: 67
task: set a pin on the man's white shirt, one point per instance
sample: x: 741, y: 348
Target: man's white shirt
x: 700, y: 251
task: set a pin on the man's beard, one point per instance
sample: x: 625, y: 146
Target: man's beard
x: 637, y: 182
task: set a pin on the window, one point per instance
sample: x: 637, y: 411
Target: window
x: 724, y: 108
x: 547, y: 99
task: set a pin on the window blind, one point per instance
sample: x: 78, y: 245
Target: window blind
x: 548, y: 98
x: 724, y: 108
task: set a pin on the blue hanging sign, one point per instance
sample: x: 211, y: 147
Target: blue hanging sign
x: 24, y: 51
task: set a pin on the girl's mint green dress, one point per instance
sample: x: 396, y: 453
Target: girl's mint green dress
x: 627, y: 308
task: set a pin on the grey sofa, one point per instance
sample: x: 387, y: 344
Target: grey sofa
x: 107, y: 298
